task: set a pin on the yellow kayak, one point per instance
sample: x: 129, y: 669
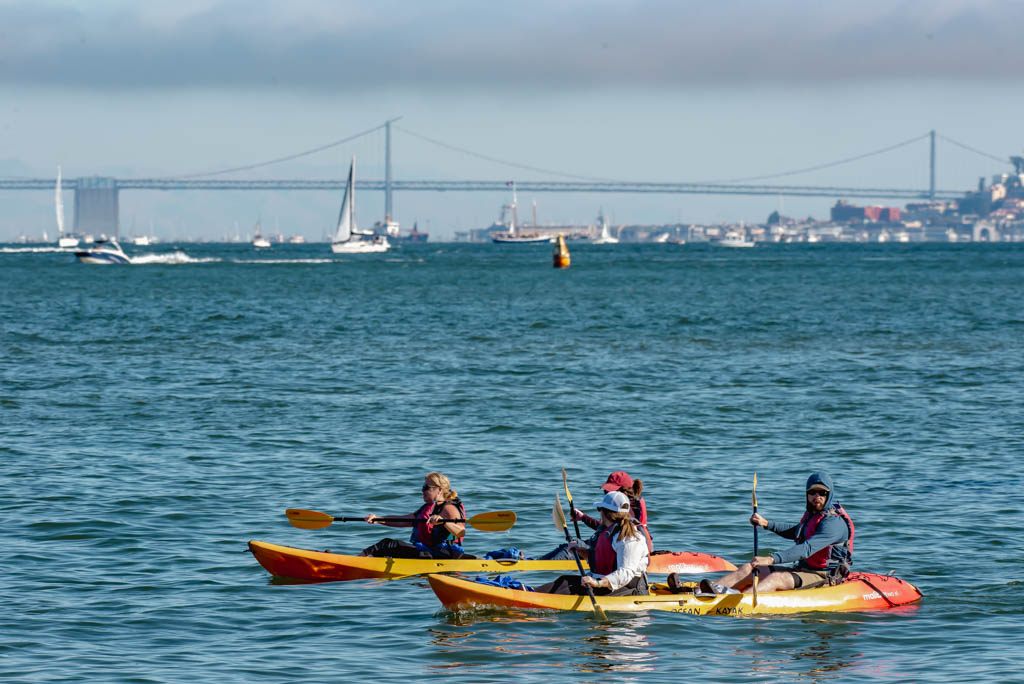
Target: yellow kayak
x: 861, y: 591
x: 323, y: 566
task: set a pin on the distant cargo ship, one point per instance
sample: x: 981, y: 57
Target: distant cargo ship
x: 413, y: 235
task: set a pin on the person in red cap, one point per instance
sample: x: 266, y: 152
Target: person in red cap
x: 617, y: 555
x: 619, y: 481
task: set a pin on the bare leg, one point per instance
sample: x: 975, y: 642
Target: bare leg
x: 737, y: 576
x: 780, y: 580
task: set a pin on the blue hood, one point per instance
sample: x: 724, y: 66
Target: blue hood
x: 825, y: 480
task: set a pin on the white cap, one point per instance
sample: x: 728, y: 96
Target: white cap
x: 616, y: 502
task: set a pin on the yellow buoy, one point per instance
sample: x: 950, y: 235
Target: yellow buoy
x: 560, y: 258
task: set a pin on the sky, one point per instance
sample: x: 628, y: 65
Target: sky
x: 634, y: 90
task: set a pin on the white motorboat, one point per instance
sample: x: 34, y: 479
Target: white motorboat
x: 735, y: 240
x: 103, y: 252
x: 64, y: 241
x: 348, y: 239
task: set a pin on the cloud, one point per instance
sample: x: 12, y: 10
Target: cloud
x: 332, y: 47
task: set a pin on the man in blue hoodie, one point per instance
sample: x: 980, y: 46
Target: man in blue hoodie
x: 822, y: 553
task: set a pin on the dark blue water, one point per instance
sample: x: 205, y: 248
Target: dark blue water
x: 155, y: 417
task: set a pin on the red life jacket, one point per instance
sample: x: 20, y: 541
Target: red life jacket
x: 821, y: 560
x: 602, y: 557
x: 430, y: 534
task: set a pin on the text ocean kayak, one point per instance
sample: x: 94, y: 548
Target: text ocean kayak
x: 860, y: 591
x: 322, y: 566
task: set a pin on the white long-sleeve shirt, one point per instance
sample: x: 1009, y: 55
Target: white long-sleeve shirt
x: 631, y: 556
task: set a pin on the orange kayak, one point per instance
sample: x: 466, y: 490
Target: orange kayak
x: 323, y: 566
x: 860, y: 592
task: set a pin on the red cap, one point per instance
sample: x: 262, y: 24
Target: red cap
x: 617, y: 480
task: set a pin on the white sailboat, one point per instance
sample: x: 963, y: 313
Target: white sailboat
x: 258, y: 241
x: 348, y: 239
x: 605, y: 238
x: 63, y: 241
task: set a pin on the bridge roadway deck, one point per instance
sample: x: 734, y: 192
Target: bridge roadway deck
x: 491, y: 186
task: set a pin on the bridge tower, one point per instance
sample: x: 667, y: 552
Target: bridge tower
x: 388, y: 213
x: 96, y: 206
x: 931, y: 167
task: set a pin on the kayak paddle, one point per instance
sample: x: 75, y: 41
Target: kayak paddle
x: 568, y: 495
x: 753, y: 500
x: 559, y: 517
x: 493, y: 521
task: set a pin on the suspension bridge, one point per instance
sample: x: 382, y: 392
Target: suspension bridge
x: 96, y: 199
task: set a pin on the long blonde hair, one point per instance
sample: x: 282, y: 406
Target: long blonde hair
x: 441, y: 480
x: 627, y: 527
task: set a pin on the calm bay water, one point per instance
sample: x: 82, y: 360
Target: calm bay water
x: 156, y: 417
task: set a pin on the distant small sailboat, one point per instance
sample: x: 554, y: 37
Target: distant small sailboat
x: 604, y: 237
x: 63, y: 241
x: 348, y: 239
x: 258, y: 241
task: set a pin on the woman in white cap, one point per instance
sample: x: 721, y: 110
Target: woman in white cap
x: 618, y: 558
x: 619, y: 481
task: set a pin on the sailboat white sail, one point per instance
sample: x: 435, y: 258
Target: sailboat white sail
x: 63, y: 241
x: 348, y: 239
x: 604, y: 237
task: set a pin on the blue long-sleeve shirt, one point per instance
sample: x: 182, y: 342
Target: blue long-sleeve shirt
x: 831, y: 530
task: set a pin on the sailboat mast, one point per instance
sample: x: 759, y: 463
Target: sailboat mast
x: 515, y: 215
x: 352, y: 197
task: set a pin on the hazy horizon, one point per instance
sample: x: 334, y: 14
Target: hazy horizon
x: 645, y: 91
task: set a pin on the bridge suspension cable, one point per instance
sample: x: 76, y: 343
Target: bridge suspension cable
x: 974, y: 150
x: 827, y: 165
x: 278, y: 160
x: 515, y: 165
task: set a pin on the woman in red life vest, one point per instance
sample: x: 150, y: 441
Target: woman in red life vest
x: 430, y: 538
x: 618, y: 555
x: 619, y: 481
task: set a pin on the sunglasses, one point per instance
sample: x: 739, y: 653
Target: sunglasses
x: 817, y: 492
x: 427, y: 488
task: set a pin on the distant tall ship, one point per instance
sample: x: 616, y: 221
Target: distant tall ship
x: 508, y: 220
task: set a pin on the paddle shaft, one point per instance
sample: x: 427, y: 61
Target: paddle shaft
x: 598, y: 610
x: 753, y: 499
x: 383, y: 519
